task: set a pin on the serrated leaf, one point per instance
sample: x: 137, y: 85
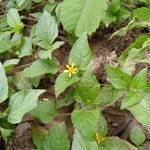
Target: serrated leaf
x: 88, y: 84
x: 81, y: 54
x: 63, y: 81
x: 3, y: 84
x: 47, y: 29
x: 141, y: 110
x: 82, y: 15
x: 85, y: 121
x: 131, y: 99
x: 44, y: 111
x: 21, y: 103
x: 26, y: 47
x: 41, y: 67
x: 13, y: 18
x: 140, y: 80
x: 137, y: 136
x: 57, y: 138
x: 81, y: 143
x: 119, y: 79
x: 44, y: 54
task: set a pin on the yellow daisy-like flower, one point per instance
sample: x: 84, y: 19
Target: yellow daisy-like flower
x: 99, y: 138
x: 71, y: 70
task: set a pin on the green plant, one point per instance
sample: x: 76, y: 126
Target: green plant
x: 76, y: 84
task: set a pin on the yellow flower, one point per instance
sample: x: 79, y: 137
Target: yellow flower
x: 99, y: 138
x: 71, y: 70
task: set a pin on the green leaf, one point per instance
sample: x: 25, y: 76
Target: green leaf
x: 13, y: 18
x: 140, y: 80
x: 20, y: 2
x: 41, y: 67
x: 21, y: 103
x: 3, y: 84
x: 39, y: 135
x: 102, y: 126
x: 44, y: 54
x: 119, y: 79
x: 21, y: 81
x: 114, y: 143
x: 81, y: 143
x: 26, y: 47
x: 82, y: 15
x: 110, y: 95
x: 134, y: 53
x: 81, y: 54
x: 114, y: 6
x: 141, y: 110
x: 8, y: 64
x: 6, y: 133
x: 57, y: 138
x: 88, y: 84
x: 44, y: 111
x: 137, y: 44
x: 47, y: 29
x: 132, y: 98
x: 63, y: 81
x: 137, y: 136
x: 4, y: 46
x: 85, y: 121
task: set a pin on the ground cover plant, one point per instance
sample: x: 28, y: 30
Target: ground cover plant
x: 74, y: 74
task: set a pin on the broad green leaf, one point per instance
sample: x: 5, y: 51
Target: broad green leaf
x: 20, y: 2
x: 57, y: 138
x: 102, y: 127
x: 82, y: 15
x: 8, y: 64
x: 81, y: 54
x: 81, y: 143
x: 140, y: 80
x: 21, y: 103
x: 21, y: 81
x: 88, y: 84
x: 119, y: 79
x: 114, y: 6
x: 110, y: 95
x: 44, y: 54
x: 4, y: 46
x: 13, y: 18
x: 6, y: 133
x: 137, y: 136
x: 114, y: 143
x: 39, y: 136
x: 44, y: 111
x: 85, y: 121
x: 141, y: 111
x: 16, y: 41
x: 63, y: 81
x: 47, y: 29
x: 41, y: 67
x: 26, y: 47
x: 141, y: 19
x: 133, y: 54
x: 131, y: 99
x: 3, y: 84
